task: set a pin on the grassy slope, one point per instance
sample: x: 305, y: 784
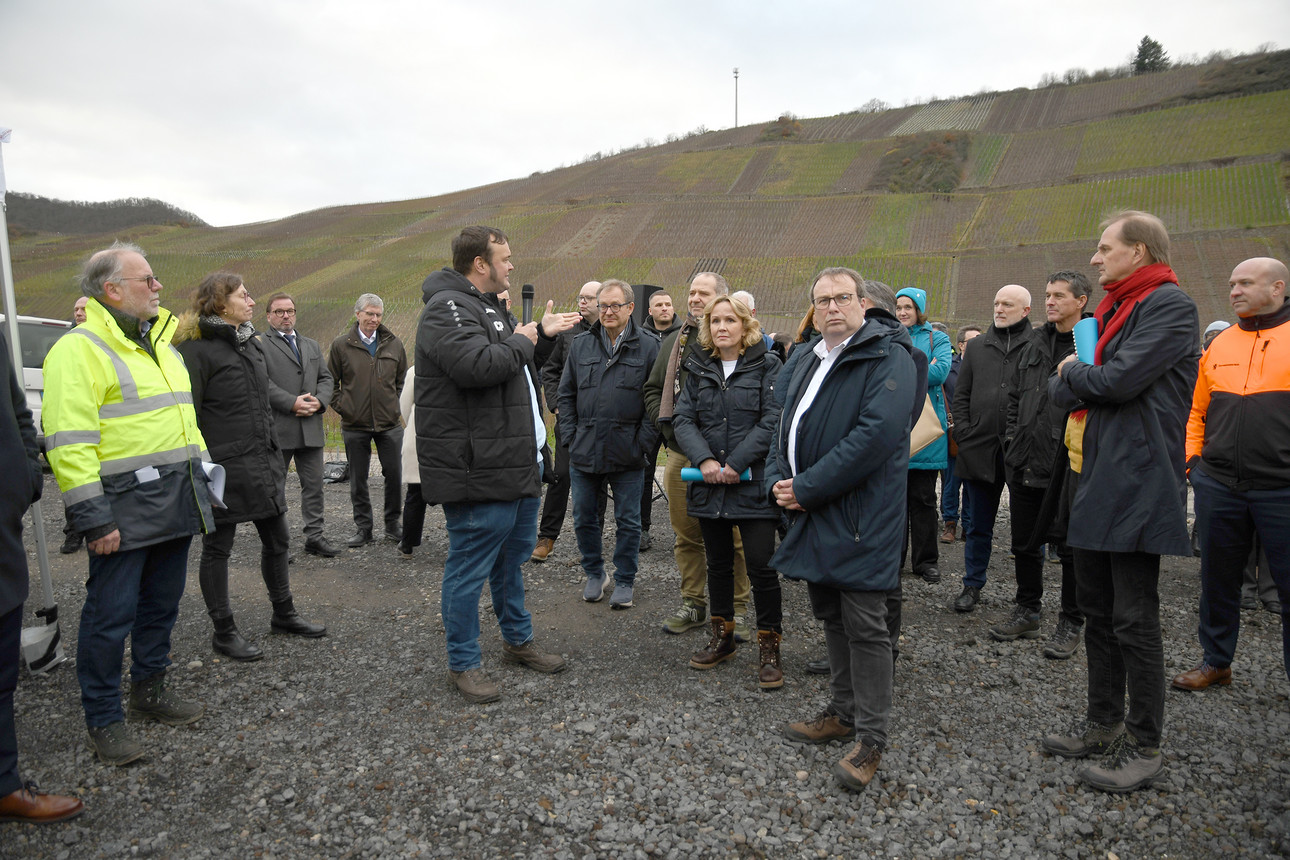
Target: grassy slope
x: 1029, y: 203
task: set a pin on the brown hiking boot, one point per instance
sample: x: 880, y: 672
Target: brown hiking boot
x: 947, y: 536
x: 475, y: 686
x: 542, y: 550
x: 824, y: 728
x: 529, y: 655
x: 771, y: 675
x: 857, y: 768
x: 720, y: 648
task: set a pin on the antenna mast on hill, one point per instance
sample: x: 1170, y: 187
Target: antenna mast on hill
x: 736, y: 97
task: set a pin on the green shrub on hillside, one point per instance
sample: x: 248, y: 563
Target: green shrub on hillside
x: 931, y: 162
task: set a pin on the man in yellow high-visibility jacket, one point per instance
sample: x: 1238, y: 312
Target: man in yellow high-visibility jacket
x: 122, y: 438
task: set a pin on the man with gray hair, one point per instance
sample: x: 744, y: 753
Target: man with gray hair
x: 368, y: 364
x: 121, y: 436
x: 603, y: 418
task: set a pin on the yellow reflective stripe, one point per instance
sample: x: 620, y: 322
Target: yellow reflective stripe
x: 83, y: 492
x: 157, y: 458
x: 129, y: 391
x: 139, y: 405
x: 72, y: 437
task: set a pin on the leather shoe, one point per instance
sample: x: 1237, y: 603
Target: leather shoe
x: 321, y: 547
x: 930, y: 574
x: 361, y: 537
x: 542, y: 550
x: 292, y: 624
x: 967, y: 599
x: 818, y: 667
x: 1203, y: 676
x: 35, y: 807
x: 394, y: 533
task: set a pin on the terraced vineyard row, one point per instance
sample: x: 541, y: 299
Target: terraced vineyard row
x: 1252, y: 125
x: 960, y: 114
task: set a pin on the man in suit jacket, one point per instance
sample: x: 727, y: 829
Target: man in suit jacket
x: 300, y: 387
x: 18, y: 802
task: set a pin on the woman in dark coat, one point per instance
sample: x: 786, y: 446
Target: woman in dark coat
x: 724, y: 421
x: 231, y: 398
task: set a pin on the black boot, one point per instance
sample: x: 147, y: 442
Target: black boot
x: 229, y: 642
x: 286, y: 620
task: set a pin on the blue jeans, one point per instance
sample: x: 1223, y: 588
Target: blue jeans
x: 981, y: 500
x: 133, y: 593
x: 626, y: 487
x: 1120, y: 597
x: 487, y: 541
x: 1227, y: 522
x: 951, y: 489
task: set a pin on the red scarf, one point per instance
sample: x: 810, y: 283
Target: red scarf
x: 1127, y: 292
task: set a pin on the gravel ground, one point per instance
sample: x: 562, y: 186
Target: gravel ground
x: 357, y: 746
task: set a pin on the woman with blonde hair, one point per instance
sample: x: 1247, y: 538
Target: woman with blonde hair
x: 723, y: 422
x: 231, y: 397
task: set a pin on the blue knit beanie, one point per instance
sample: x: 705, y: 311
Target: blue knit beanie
x: 917, y: 296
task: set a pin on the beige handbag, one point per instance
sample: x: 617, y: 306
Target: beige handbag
x: 927, y: 430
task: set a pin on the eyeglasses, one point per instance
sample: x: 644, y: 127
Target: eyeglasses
x: 614, y: 308
x: 152, y: 281
x: 280, y: 312
x: 586, y: 300
x: 841, y: 299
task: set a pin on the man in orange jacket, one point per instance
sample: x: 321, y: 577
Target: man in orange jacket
x: 1238, y: 460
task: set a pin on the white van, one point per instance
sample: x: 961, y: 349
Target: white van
x: 36, y: 335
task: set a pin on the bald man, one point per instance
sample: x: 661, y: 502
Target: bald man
x: 1236, y: 443
x: 986, y: 379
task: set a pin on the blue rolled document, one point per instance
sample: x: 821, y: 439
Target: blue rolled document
x: 693, y: 473
x: 1085, y: 333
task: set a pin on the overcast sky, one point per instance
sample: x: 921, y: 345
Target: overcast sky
x: 248, y: 110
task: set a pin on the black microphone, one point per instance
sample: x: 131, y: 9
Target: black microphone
x: 526, y: 300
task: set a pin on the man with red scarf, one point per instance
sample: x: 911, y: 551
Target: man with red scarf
x: 1131, y: 406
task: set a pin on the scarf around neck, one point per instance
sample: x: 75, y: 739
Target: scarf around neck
x: 671, y: 380
x: 1123, y: 296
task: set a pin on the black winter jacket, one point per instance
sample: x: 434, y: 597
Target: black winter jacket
x: 1131, y: 495
x: 476, y: 436
x: 602, y: 408
x: 231, y: 398
x: 730, y: 420
x: 23, y: 481
x: 1035, y: 426
x: 853, y: 458
x: 553, y: 367
x: 981, y: 393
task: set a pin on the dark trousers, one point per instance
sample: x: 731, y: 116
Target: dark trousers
x: 859, y: 635
x: 1070, y: 590
x: 556, y: 503
x: 1024, y: 504
x: 1227, y: 522
x: 414, y: 516
x: 389, y: 450
x: 10, y: 656
x: 1119, y: 595
x: 921, y: 538
x: 759, y: 546
x: 647, y: 492
x: 309, y: 464
x: 951, y: 494
x: 275, y: 545
x: 131, y: 593
x: 981, y: 499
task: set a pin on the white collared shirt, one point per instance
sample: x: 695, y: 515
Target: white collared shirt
x: 827, y: 358
x: 365, y: 339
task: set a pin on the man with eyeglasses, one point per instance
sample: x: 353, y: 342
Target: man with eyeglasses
x: 840, y: 454
x: 121, y: 435
x: 602, y: 416
x: 556, y: 504
x: 368, y: 365
x: 300, y: 387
